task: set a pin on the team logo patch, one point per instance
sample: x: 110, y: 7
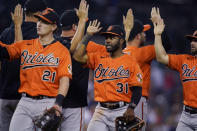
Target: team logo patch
x: 70, y: 69
x: 139, y: 77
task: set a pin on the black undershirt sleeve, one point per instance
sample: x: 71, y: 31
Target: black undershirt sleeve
x: 136, y: 94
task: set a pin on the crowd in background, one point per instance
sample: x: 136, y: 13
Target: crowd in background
x: 165, y: 102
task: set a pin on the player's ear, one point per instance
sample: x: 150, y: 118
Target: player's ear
x: 138, y: 36
x: 122, y: 40
x: 54, y: 27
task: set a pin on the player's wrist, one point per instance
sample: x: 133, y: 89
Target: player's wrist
x: 86, y: 39
x: 59, y: 100
x: 158, y: 34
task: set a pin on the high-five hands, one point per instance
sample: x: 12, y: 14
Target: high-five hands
x: 82, y: 12
x: 155, y: 14
x: 94, y: 27
x: 159, y: 27
x: 128, y: 21
x: 17, y: 16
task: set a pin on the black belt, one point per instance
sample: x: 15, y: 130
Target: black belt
x: 190, y: 110
x: 39, y: 97
x: 113, y: 105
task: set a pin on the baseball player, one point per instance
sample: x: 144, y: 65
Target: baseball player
x: 117, y: 78
x: 73, y: 26
x: 144, y: 55
x: 9, y: 74
x: 186, y: 65
x: 45, y: 70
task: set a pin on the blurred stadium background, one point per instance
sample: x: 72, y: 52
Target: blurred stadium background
x: 165, y: 102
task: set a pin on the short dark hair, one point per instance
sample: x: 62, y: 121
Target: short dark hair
x: 68, y: 18
x: 33, y: 6
x: 137, y: 28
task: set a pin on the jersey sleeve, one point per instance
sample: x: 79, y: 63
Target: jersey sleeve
x: 14, y: 49
x: 175, y: 61
x: 93, y: 47
x: 135, y: 78
x: 93, y: 52
x: 65, y: 65
x: 91, y: 60
x: 146, y: 54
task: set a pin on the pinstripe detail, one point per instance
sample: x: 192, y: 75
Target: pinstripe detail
x: 142, y: 110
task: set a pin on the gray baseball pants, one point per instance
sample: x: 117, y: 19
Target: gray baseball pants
x: 26, y: 110
x: 73, y: 119
x: 187, y: 122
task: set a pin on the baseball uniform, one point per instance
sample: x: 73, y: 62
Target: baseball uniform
x: 186, y: 66
x: 112, y: 79
x: 40, y: 70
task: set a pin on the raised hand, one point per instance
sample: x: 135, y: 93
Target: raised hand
x: 94, y: 27
x: 82, y: 12
x: 155, y: 14
x: 159, y: 27
x: 17, y: 16
x: 128, y: 21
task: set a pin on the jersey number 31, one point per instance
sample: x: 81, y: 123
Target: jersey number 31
x: 122, y: 88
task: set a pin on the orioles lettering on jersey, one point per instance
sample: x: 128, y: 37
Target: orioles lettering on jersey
x: 189, y: 73
x: 108, y: 74
x: 35, y: 60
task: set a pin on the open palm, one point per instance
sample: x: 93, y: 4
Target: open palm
x: 94, y: 27
x: 155, y: 14
x: 17, y: 16
x: 159, y: 27
x: 82, y: 12
x: 128, y: 20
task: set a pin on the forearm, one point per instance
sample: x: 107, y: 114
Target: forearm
x: 18, y: 33
x: 136, y: 96
x: 127, y: 34
x: 78, y: 35
x: 80, y: 54
x: 161, y: 54
x: 62, y: 91
x: 63, y: 86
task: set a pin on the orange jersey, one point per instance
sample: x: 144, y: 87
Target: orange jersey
x: 41, y: 68
x: 143, y: 56
x: 94, y: 47
x: 113, y: 77
x: 186, y: 66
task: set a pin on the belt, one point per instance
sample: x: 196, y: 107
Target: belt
x: 190, y: 110
x: 39, y: 97
x: 113, y: 105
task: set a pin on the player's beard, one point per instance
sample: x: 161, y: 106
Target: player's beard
x: 114, y: 48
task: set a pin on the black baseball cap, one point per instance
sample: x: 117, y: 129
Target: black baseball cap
x: 138, y: 27
x: 114, y: 30
x: 49, y: 16
x: 68, y: 17
x: 33, y: 6
x: 192, y: 37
